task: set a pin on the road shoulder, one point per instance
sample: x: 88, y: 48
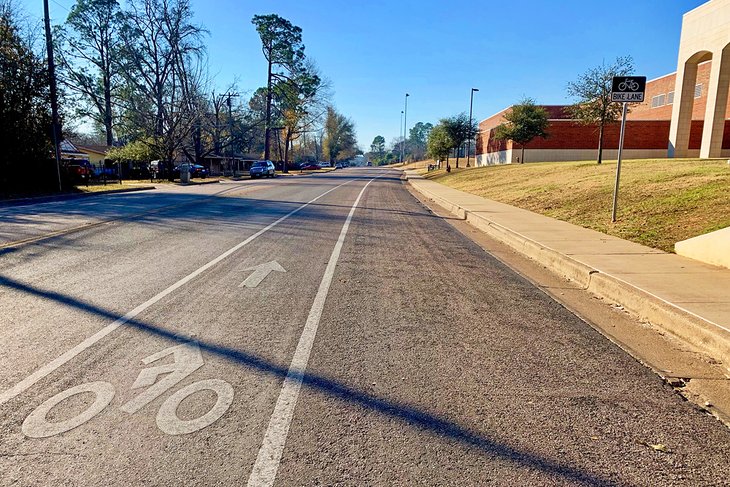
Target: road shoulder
x: 691, y: 372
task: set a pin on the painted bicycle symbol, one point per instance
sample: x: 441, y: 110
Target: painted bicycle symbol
x: 628, y: 85
x: 186, y: 360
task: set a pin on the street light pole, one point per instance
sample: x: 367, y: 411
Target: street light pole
x: 55, y: 121
x: 400, y: 136
x: 471, y: 104
x: 405, y: 128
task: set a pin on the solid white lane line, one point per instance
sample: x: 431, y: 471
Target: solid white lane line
x: 267, y: 461
x: 39, y: 374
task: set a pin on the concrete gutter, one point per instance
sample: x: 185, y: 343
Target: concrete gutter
x: 694, y: 326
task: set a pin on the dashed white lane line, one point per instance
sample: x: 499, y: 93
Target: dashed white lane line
x: 269, y: 457
x: 47, y: 369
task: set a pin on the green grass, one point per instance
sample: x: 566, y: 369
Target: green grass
x: 661, y: 201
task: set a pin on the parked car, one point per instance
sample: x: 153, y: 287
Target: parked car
x: 339, y: 166
x: 324, y: 164
x: 260, y: 169
x: 78, y: 171
x: 198, y: 171
x: 310, y: 166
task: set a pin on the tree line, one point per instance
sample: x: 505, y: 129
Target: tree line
x: 138, y: 75
x: 441, y: 141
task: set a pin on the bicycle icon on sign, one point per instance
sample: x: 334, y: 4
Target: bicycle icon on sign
x: 628, y: 85
x: 186, y: 360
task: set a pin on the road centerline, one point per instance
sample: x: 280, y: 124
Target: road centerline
x: 64, y: 358
x: 272, y: 448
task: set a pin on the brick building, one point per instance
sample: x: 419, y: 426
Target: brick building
x: 647, y: 129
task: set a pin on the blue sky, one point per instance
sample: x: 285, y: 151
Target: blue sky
x: 373, y: 52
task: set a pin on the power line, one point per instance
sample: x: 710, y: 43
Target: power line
x: 62, y: 6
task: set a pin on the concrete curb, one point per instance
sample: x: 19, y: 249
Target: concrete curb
x: 199, y: 183
x: 70, y: 196
x: 688, y: 327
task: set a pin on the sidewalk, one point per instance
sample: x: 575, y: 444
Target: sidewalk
x: 689, y: 299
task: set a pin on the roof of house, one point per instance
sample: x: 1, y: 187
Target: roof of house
x: 97, y: 149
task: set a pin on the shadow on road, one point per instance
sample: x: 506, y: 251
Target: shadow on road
x: 410, y: 415
x: 179, y: 211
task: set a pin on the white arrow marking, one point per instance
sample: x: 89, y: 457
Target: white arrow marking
x: 260, y: 273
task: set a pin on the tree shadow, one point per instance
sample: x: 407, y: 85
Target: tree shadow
x: 40, y: 223
x: 410, y: 415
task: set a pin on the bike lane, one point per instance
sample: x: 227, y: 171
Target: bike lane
x: 114, y: 268
x: 184, y: 390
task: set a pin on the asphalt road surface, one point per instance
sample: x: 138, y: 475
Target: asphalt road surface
x: 317, y: 330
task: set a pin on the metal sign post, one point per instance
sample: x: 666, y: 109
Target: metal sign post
x: 618, y: 162
x: 624, y: 89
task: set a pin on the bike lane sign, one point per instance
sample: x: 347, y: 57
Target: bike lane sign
x: 628, y: 89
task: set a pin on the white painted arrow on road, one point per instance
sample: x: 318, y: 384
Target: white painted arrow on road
x: 260, y: 273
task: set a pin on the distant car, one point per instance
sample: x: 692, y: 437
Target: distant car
x: 370, y: 164
x: 339, y: 166
x: 260, y: 169
x: 324, y: 164
x: 310, y: 166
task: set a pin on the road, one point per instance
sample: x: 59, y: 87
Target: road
x: 316, y: 330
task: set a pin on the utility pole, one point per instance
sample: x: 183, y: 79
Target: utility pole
x: 471, y: 103
x: 230, y: 122
x: 55, y: 121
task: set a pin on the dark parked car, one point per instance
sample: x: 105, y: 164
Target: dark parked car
x: 310, y: 167
x: 198, y: 171
x: 260, y: 169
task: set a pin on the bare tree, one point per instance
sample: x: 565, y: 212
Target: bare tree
x: 593, y: 91
x: 165, y: 72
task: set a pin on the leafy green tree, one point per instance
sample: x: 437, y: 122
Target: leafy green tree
x: 593, y: 91
x: 524, y: 122
x: 340, y: 142
x: 378, y: 145
x: 89, y: 58
x: 281, y: 45
x: 25, y: 119
x: 138, y: 151
x: 418, y: 136
x: 460, y: 129
x: 439, y: 142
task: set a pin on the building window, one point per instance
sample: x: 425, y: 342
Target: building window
x: 657, y: 101
x: 698, y: 90
x: 670, y: 98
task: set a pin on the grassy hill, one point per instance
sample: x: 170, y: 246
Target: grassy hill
x: 661, y: 201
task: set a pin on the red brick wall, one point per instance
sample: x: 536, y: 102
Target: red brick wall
x: 664, y: 85
x: 566, y: 134
x: 647, y: 128
x: 640, y: 134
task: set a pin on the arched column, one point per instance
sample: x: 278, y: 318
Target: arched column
x: 717, y: 94
x: 684, y: 98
